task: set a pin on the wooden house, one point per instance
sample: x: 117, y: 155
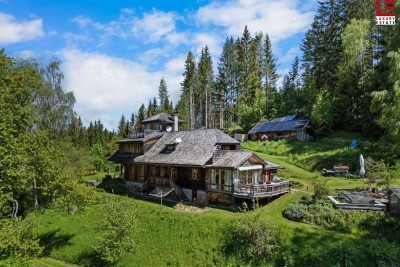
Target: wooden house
x: 288, y: 127
x: 204, y: 166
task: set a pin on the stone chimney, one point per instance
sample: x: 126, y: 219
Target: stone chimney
x: 176, y: 124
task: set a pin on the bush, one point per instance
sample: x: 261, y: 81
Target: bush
x: 321, y: 190
x: 306, y: 200
x: 297, y: 212
x: 253, y: 241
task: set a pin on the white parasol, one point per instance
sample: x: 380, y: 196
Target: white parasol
x: 362, y: 169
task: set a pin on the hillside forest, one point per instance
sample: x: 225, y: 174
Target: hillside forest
x: 348, y: 78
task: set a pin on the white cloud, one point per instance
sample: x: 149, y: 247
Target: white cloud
x: 106, y: 87
x: 213, y: 42
x: 279, y: 18
x: 154, y: 25
x: 13, y: 31
x: 290, y: 55
x: 82, y: 21
x: 25, y: 54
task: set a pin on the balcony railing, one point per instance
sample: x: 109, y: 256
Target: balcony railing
x: 262, y: 190
x: 141, y: 134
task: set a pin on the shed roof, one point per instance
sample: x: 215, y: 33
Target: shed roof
x: 195, y: 147
x: 289, y: 123
x: 161, y: 117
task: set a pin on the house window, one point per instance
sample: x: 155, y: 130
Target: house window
x: 141, y: 172
x: 173, y: 173
x: 163, y: 171
x: 153, y: 171
x: 221, y: 179
x: 195, y: 174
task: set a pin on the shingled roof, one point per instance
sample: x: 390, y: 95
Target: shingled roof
x: 119, y: 157
x: 289, y: 123
x: 193, y: 148
x: 161, y: 117
x: 232, y: 159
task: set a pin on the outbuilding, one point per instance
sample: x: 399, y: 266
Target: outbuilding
x: 289, y: 127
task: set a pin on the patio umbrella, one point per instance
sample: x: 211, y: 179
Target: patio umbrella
x: 362, y: 169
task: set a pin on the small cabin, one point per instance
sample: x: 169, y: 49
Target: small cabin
x: 290, y: 127
x: 342, y: 171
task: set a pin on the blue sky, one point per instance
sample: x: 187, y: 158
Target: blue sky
x: 114, y: 53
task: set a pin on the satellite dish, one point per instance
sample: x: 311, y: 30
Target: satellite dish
x: 168, y: 129
x: 178, y: 140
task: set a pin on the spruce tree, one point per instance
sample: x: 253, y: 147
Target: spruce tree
x: 188, y: 84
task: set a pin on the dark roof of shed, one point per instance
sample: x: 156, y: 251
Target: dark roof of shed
x: 195, y: 149
x: 162, y: 117
x: 119, y: 157
x: 289, y: 123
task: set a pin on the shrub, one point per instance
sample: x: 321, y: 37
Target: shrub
x: 253, y: 240
x: 297, y: 212
x: 306, y: 200
x: 321, y: 190
x: 119, y: 232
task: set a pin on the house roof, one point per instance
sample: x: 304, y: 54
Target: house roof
x: 144, y: 139
x: 193, y: 148
x: 161, y: 117
x: 232, y: 159
x: 289, y: 123
x: 120, y: 157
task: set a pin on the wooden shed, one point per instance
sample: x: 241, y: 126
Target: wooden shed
x: 289, y: 127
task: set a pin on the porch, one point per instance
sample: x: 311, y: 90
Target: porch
x: 247, y: 182
x: 261, y: 190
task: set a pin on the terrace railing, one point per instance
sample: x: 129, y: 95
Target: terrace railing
x: 263, y: 190
x: 141, y: 134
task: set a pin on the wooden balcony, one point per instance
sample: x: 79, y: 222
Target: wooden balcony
x: 262, y: 190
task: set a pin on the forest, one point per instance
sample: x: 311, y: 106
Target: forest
x: 348, y: 78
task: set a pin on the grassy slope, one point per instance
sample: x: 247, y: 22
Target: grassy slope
x: 170, y: 237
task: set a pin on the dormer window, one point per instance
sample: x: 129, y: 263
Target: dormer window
x: 169, y: 148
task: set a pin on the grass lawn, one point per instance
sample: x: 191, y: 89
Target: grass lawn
x: 168, y: 236
x: 50, y: 262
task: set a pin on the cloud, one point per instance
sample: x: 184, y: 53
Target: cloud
x: 279, y: 18
x: 82, y: 21
x: 106, y: 87
x: 154, y: 25
x: 25, y: 54
x: 13, y: 31
x: 290, y: 55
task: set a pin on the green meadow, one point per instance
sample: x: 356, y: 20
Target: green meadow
x: 176, y: 235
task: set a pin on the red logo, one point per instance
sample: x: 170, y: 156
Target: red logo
x: 386, y: 9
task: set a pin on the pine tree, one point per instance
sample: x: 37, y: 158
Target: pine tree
x: 149, y: 110
x: 140, y: 117
x: 163, y: 96
x: 270, y: 77
x: 121, y: 126
x: 290, y: 93
x: 188, y: 84
x: 205, y: 89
